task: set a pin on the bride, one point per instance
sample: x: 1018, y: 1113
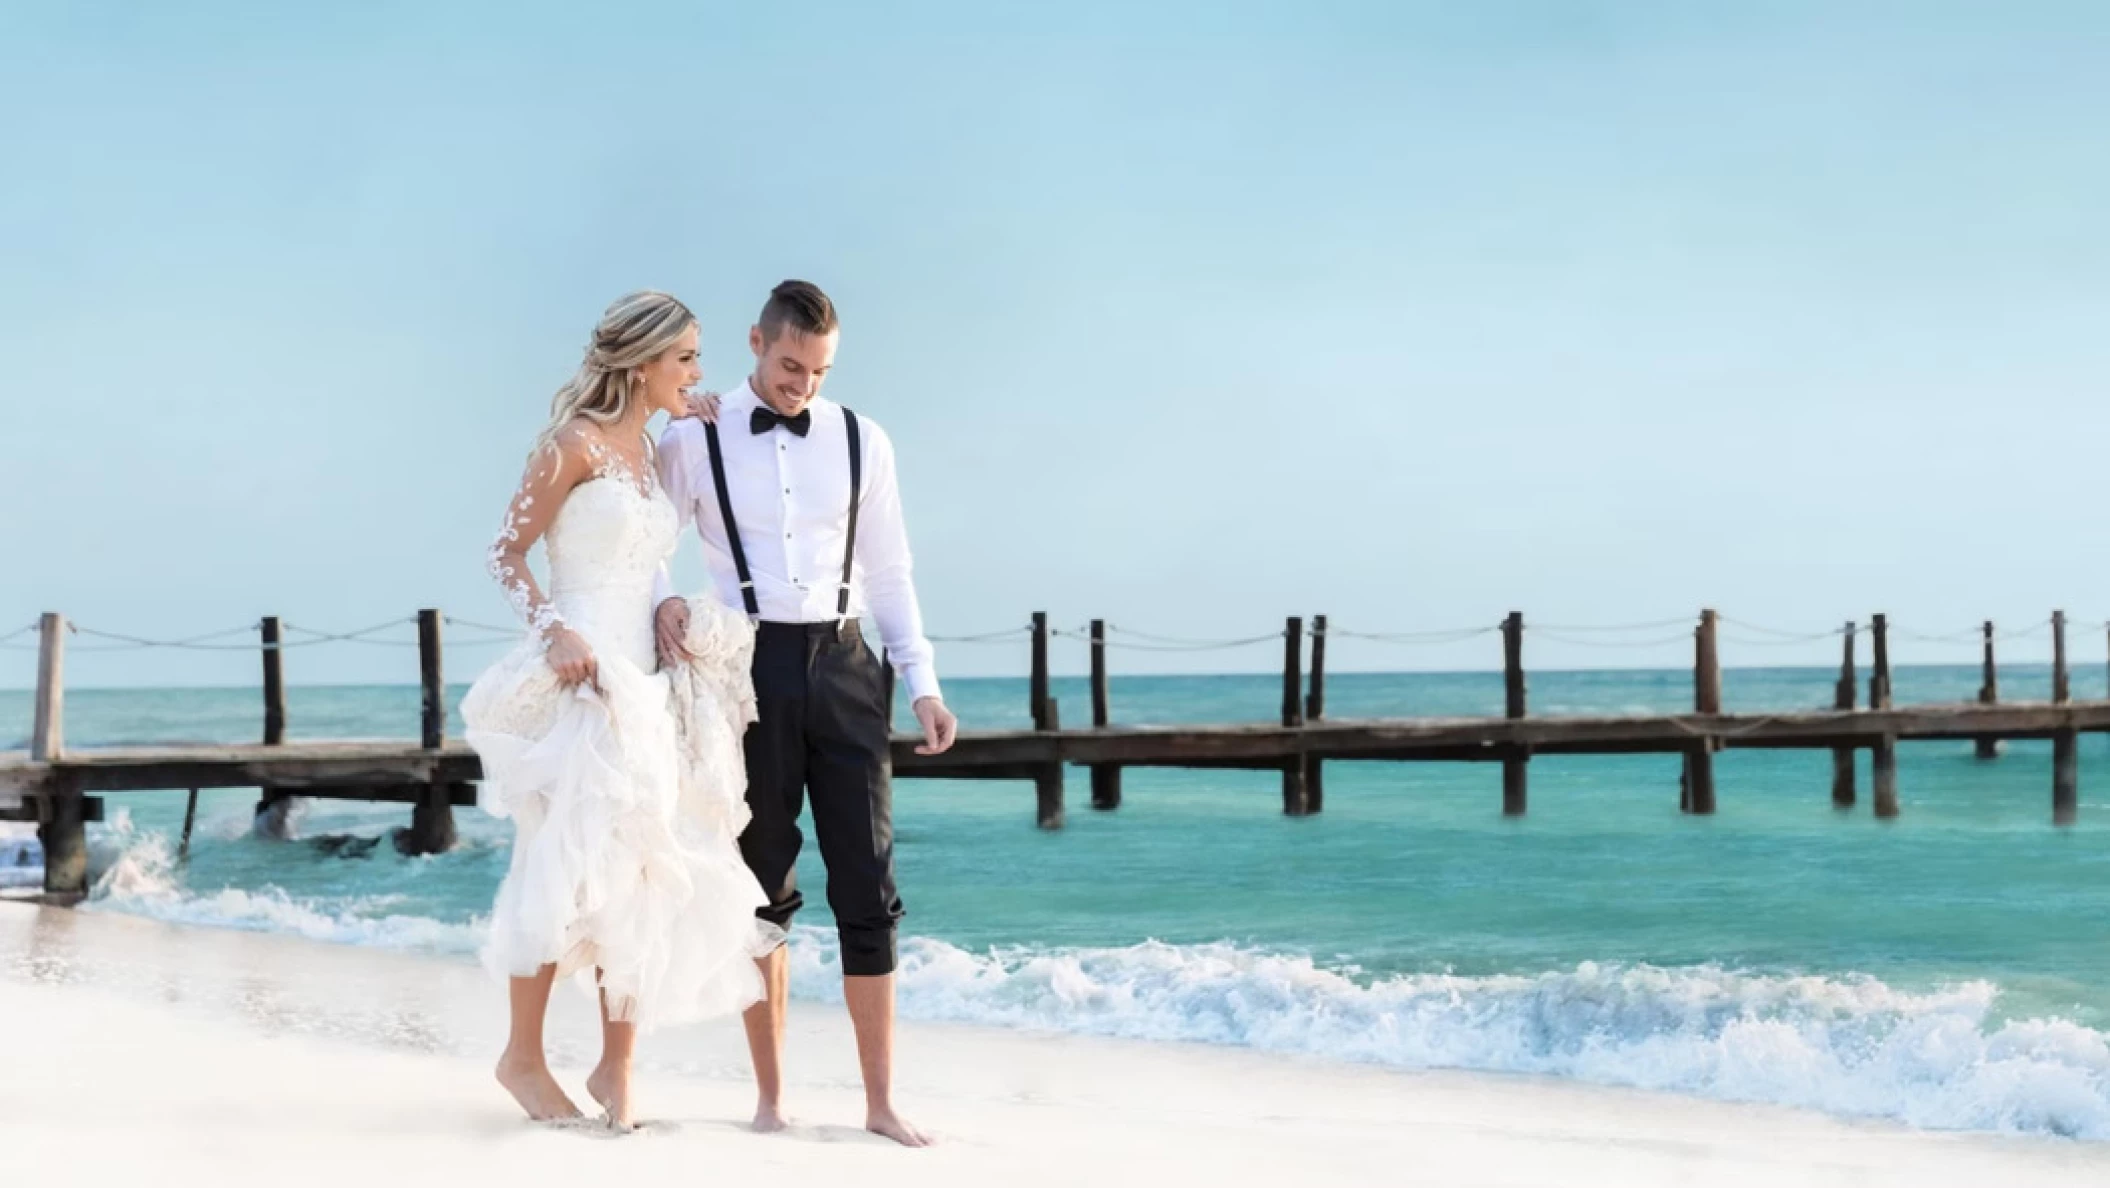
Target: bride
x: 625, y: 783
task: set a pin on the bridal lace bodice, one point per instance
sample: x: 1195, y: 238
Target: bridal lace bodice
x: 605, y: 541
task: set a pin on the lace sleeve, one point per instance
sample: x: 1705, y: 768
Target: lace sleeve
x: 550, y: 476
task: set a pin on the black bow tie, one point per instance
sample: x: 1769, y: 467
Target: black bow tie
x: 762, y: 420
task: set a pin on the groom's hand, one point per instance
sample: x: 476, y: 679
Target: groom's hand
x: 670, y: 624
x: 939, y: 726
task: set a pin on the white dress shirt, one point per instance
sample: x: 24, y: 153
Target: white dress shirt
x: 791, y: 498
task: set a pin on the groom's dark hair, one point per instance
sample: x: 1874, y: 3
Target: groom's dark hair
x: 801, y: 307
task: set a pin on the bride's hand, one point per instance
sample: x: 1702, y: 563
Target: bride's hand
x: 702, y: 405
x: 571, y: 659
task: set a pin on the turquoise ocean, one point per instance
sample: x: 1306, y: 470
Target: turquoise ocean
x: 1950, y: 969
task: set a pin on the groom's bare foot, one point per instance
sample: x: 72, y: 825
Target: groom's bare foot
x: 611, y: 1088
x: 884, y: 1121
x: 529, y: 1082
x: 769, y: 1118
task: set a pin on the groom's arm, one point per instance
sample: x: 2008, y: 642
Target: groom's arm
x: 890, y: 589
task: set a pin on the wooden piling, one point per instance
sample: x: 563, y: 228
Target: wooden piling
x: 432, y: 817
x: 1698, y: 790
x: 2061, y: 687
x: 63, y: 831
x: 1293, y: 671
x: 1843, y: 698
x: 62, y: 825
x: 47, y: 737
x: 2065, y: 745
x: 1037, y: 686
x: 2065, y: 778
x: 1293, y: 788
x: 1707, y: 665
x: 1515, y: 759
x: 190, y: 818
x: 1884, y: 753
x: 1101, y: 701
x: 430, y: 683
x: 1047, y: 778
x: 274, y: 683
x: 1106, y: 777
x: 1988, y: 747
x: 274, y: 718
x: 1314, y: 710
x: 1315, y: 700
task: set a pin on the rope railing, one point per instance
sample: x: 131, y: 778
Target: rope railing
x: 984, y: 637
x: 1453, y: 635
x: 1617, y: 636
x: 1780, y: 641
x: 1145, y: 641
x: 1790, y: 636
x: 513, y: 632
x: 360, y: 636
x: 202, y: 643
x: 1609, y: 628
x: 1684, y: 637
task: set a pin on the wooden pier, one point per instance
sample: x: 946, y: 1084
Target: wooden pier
x: 61, y: 789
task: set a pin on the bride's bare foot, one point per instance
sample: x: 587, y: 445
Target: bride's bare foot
x: 611, y: 1088
x: 528, y: 1080
x: 768, y: 1118
x: 882, y: 1120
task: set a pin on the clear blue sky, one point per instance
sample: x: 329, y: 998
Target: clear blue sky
x: 1187, y: 315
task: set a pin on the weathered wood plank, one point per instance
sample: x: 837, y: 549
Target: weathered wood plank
x: 315, y: 767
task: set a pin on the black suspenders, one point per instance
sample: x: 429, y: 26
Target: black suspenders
x: 857, y: 474
x: 732, y: 528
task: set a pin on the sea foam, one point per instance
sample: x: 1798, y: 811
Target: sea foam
x: 1852, y: 1045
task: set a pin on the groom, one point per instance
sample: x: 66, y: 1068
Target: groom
x: 795, y: 499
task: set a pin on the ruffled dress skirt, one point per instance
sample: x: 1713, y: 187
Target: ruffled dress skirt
x: 627, y: 803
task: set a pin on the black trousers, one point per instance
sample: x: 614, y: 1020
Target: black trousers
x: 822, y: 729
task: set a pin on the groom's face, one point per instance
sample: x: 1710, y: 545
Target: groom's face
x: 790, y: 368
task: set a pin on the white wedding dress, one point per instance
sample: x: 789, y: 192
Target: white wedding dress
x: 628, y: 801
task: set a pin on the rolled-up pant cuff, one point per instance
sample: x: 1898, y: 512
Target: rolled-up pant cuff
x: 779, y: 914
x: 867, y: 953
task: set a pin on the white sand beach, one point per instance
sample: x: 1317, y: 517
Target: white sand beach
x: 140, y: 1052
